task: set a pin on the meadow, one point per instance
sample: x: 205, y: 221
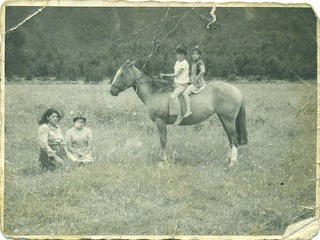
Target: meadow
x: 125, y: 192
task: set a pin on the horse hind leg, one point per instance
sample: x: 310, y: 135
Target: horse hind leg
x: 229, y: 126
x: 162, y: 129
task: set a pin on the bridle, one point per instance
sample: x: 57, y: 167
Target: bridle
x: 130, y: 84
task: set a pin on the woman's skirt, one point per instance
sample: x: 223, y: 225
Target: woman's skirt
x: 84, y: 159
x: 47, y: 162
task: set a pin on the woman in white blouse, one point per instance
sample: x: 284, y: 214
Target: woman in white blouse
x: 53, y: 150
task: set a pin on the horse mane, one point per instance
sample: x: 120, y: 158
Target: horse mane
x: 159, y: 84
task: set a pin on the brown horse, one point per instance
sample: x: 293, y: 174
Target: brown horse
x: 217, y: 97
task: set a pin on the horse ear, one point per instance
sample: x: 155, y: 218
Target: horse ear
x: 130, y: 64
x: 125, y: 65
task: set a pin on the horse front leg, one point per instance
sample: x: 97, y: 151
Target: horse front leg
x: 162, y: 129
x: 232, y: 155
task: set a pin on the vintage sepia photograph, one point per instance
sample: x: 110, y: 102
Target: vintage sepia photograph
x: 159, y: 119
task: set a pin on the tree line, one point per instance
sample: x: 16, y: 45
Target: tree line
x: 73, y: 43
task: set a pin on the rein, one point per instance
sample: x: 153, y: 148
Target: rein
x: 159, y: 82
x: 135, y: 81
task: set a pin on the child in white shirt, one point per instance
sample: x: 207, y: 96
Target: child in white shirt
x: 181, y: 80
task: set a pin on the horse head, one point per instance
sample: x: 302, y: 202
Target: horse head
x: 123, y: 79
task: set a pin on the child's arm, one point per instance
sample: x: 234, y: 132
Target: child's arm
x: 201, y: 73
x: 177, y: 73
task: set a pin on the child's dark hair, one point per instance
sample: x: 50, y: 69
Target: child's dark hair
x: 196, y: 48
x: 182, y: 48
x: 48, y: 113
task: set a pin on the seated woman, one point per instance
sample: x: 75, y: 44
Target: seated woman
x: 79, y: 141
x: 53, y: 149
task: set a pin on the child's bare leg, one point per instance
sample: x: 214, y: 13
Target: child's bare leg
x: 174, y: 108
x: 186, y: 97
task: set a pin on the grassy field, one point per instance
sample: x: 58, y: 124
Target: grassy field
x: 125, y: 191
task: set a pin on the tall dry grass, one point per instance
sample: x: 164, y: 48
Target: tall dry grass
x: 125, y: 191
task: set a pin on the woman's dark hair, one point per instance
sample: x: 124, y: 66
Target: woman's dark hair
x: 77, y: 118
x: 47, y: 114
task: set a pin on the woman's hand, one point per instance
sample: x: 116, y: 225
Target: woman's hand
x: 58, y: 159
x: 69, y: 155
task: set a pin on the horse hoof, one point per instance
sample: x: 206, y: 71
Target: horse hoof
x: 232, y: 164
x: 161, y: 165
x: 164, y: 159
x: 163, y: 156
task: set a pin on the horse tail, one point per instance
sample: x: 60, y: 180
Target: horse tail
x: 241, y: 128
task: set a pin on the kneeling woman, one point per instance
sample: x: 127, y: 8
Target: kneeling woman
x: 53, y: 150
x: 79, y: 141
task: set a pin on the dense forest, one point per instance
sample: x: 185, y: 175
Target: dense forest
x: 90, y: 44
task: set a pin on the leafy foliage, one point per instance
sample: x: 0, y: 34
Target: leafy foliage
x: 91, y: 43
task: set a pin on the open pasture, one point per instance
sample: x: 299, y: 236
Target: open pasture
x: 125, y: 191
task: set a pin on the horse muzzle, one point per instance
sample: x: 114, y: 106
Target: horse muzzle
x: 114, y: 90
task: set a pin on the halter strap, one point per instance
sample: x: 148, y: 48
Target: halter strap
x: 136, y: 80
